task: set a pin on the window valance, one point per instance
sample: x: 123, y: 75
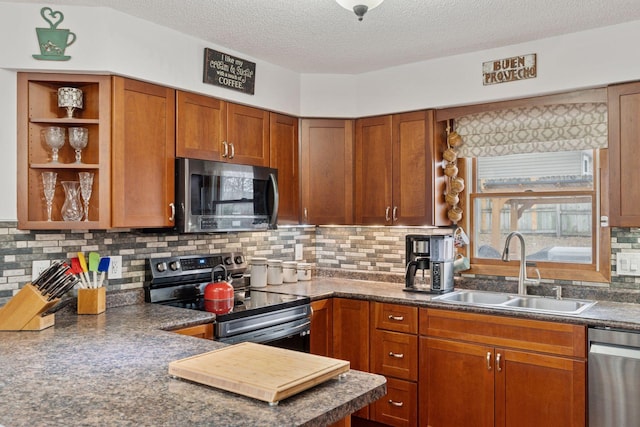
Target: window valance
x: 548, y: 128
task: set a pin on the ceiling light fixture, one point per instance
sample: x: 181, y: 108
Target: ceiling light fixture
x: 359, y: 7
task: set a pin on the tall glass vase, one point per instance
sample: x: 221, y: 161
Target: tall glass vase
x: 72, y: 207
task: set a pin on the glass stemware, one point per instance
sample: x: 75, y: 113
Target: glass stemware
x: 86, y: 184
x: 49, y: 184
x: 54, y: 137
x: 78, y: 140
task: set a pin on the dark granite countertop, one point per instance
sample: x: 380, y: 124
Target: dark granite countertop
x: 603, y: 314
x: 112, y: 369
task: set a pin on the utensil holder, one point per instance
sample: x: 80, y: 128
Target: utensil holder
x: 92, y: 301
x: 22, y: 312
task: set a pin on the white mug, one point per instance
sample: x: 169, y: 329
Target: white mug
x: 460, y: 238
x: 461, y: 263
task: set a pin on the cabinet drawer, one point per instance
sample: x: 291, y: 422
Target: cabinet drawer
x: 199, y: 331
x: 509, y: 332
x: 395, y: 355
x: 394, y: 317
x: 400, y: 406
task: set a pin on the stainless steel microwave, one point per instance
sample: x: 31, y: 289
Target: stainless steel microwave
x: 221, y: 197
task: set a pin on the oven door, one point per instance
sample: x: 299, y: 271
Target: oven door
x: 293, y: 335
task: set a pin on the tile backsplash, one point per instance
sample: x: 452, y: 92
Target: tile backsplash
x: 352, y: 249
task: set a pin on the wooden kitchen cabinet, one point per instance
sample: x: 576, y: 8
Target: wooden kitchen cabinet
x: 212, y: 129
x: 326, y: 171
x: 283, y: 156
x: 201, y: 126
x: 351, y: 336
x: 490, y: 370
x: 199, y: 331
x: 624, y: 154
x: 322, y: 327
x: 394, y: 169
x: 37, y: 110
x: 394, y: 354
x: 143, y: 154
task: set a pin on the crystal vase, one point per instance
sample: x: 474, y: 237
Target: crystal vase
x: 72, y: 207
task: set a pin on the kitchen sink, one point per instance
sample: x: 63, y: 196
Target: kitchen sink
x: 508, y: 301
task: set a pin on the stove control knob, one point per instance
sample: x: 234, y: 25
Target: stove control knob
x: 228, y: 261
x: 239, y: 259
x: 161, y: 267
x: 174, y: 265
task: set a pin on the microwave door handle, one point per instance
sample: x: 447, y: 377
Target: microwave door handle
x: 276, y: 200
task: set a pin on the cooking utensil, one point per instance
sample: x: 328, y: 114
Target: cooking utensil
x: 94, y: 260
x: 103, y: 267
x: 76, y: 268
x: 85, y: 270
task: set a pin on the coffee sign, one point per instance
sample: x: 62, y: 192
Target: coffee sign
x: 509, y: 69
x: 224, y: 70
x: 53, y: 41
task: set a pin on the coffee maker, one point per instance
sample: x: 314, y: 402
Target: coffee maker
x: 429, y: 252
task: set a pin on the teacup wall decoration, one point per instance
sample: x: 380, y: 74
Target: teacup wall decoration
x: 53, y: 41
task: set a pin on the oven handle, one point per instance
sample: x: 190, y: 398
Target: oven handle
x: 272, y: 333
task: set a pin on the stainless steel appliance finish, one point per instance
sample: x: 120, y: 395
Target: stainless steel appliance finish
x: 220, y: 197
x: 433, y: 253
x: 272, y: 318
x: 614, y: 378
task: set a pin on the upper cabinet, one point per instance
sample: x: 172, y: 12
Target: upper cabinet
x: 326, y: 171
x: 201, y: 126
x: 394, y: 169
x: 283, y: 156
x: 38, y: 116
x: 211, y: 129
x: 624, y: 152
x: 143, y: 153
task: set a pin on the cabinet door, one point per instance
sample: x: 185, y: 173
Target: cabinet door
x: 373, y: 172
x: 322, y: 328
x: 539, y: 390
x: 198, y: 331
x: 326, y: 173
x: 200, y: 126
x: 456, y: 384
x: 412, y: 169
x: 624, y: 155
x: 247, y: 135
x: 351, y: 336
x: 283, y: 143
x: 143, y: 154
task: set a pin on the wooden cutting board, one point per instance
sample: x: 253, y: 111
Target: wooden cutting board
x: 258, y: 371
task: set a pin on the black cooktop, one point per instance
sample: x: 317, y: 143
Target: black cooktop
x: 255, y: 302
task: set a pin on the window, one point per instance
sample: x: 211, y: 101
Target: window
x: 537, y: 170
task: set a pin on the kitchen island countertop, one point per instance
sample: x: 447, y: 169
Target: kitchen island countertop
x: 112, y: 369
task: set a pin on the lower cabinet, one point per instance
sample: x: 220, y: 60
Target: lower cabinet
x: 485, y: 370
x: 199, y: 331
x: 322, y: 327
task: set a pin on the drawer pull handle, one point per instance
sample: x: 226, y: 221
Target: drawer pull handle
x: 396, y: 318
x: 396, y: 355
x: 397, y: 404
x: 488, y: 361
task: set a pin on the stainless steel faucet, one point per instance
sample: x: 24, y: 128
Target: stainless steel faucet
x: 522, y: 276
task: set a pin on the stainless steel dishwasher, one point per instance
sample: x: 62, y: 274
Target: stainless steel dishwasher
x: 614, y: 378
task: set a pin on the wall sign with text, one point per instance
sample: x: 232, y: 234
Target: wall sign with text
x: 224, y: 70
x: 509, y: 69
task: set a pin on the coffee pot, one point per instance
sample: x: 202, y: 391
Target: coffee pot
x: 433, y: 254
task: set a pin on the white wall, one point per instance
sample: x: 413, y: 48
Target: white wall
x: 112, y: 42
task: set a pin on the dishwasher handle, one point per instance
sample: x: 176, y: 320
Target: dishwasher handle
x: 614, y: 350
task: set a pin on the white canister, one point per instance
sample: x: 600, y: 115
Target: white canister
x: 304, y: 271
x: 258, y: 272
x: 274, y: 272
x: 289, y: 272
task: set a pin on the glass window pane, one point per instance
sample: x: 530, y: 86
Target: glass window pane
x: 556, y: 229
x: 536, y: 172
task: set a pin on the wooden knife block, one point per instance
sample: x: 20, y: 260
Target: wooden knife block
x: 92, y: 301
x: 23, y: 311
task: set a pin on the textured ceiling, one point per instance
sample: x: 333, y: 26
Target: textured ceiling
x: 319, y: 36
